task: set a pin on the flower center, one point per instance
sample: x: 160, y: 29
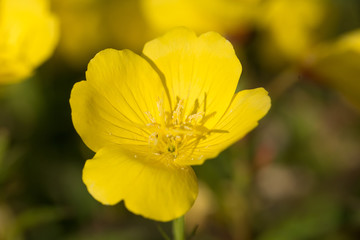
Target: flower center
x: 175, y: 132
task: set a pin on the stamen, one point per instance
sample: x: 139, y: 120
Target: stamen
x: 162, y: 114
x: 196, y: 118
x: 177, y: 113
x: 160, y: 107
x: 174, y: 133
x: 151, y: 118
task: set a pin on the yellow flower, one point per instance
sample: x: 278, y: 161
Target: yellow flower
x: 201, y: 15
x: 291, y: 26
x: 83, y: 33
x: 338, y: 65
x: 29, y: 33
x: 150, y: 118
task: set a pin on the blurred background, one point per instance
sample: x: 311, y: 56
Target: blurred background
x: 295, y: 177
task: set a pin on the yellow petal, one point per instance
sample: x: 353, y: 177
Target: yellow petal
x: 149, y: 188
x: 112, y: 105
x: 200, y: 15
x: 29, y: 34
x: 243, y: 114
x: 203, y: 69
x: 291, y: 27
x: 337, y: 64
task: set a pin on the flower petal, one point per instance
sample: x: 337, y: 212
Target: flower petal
x: 337, y: 64
x: 29, y: 34
x: 203, y: 69
x: 112, y: 105
x: 150, y: 188
x: 243, y: 114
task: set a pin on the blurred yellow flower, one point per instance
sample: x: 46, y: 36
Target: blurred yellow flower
x: 29, y: 33
x: 135, y: 33
x: 82, y: 30
x: 201, y: 15
x: 338, y: 65
x: 290, y: 26
x: 150, y: 118
x: 91, y: 25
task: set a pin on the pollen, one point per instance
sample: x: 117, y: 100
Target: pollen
x: 175, y: 131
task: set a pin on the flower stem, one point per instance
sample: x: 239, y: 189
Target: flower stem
x: 178, y: 228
